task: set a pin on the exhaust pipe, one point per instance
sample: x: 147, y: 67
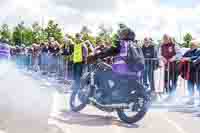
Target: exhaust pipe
x: 114, y: 106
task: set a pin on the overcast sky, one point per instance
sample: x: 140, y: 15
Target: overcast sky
x: 146, y: 17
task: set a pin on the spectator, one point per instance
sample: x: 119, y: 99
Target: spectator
x: 169, y: 52
x: 29, y: 54
x: 79, y: 59
x: 193, y: 74
x: 44, y: 57
x: 151, y: 63
x: 91, y: 50
x: 67, y: 51
x: 52, y: 53
x: 57, y: 48
x: 56, y: 56
x: 13, y: 53
x: 100, y: 46
x: 35, y: 57
x: 17, y: 51
x: 23, y: 49
x: 90, y: 47
x: 23, y: 56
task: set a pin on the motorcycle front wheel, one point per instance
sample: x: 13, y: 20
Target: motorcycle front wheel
x: 138, y: 107
x: 79, y: 99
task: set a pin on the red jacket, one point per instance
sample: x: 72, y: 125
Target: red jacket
x: 168, y: 50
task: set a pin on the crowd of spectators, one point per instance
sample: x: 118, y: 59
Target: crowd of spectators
x: 52, y: 57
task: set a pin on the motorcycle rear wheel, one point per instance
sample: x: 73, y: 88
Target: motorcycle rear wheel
x: 141, y: 111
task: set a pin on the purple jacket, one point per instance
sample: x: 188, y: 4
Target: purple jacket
x: 119, y: 65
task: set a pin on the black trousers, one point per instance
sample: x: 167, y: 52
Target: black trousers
x: 170, y: 81
x: 110, y: 82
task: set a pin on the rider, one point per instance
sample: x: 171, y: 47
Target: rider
x: 119, y: 50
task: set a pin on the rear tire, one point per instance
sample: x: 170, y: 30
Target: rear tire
x: 140, y: 114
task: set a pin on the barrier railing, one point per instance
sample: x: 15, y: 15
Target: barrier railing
x: 164, y: 79
x: 174, y: 78
x: 45, y: 64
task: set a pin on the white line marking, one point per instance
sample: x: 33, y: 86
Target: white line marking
x: 174, y: 124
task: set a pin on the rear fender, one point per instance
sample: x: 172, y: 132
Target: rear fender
x: 138, y: 87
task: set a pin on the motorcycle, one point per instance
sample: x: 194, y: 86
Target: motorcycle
x: 130, y: 106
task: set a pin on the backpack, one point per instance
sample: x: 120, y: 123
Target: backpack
x: 135, y: 58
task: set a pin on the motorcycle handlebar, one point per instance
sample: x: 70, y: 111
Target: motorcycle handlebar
x: 101, y: 63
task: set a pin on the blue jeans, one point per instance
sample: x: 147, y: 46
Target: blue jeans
x: 30, y: 64
x: 35, y: 61
x: 44, y: 59
x: 148, y: 77
x: 77, y: 73
x: 191, y: 85
x: 61, y: 65
x: 52, y: 63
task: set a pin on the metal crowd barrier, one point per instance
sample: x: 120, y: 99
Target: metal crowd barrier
x: 169, y: 79
x: 53, y: 66
x: 155, y: 71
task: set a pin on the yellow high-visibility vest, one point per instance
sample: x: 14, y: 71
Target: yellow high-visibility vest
x: 78, y: 53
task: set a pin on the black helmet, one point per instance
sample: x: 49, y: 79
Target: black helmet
x: 121, y: 26
x: 126, y: 34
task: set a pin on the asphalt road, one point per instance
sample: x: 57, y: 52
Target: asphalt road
x: 162, y: 118
x: 35, y: 105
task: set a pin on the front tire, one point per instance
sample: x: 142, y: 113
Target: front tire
x: 83, y: 102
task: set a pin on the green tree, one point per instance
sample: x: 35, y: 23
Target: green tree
x: 104, y: 33
x: 89, y: 37
x: 39, y: 34
x: 187, y: 39
x: 70, y: 36
x: 86, y: 33
x: 18, y: 35
x: 5, y: 33
x: 28, y: 36
x: 53, y: 30
x: 36, y: 31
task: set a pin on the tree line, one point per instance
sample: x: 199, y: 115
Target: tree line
x: 35, y: 33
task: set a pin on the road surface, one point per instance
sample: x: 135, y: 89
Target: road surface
x: 160, y: 119
x: 30, y: 104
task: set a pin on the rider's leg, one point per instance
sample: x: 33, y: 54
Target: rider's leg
x: 102, y: 80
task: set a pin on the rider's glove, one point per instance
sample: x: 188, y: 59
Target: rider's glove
x: 91, y: 59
